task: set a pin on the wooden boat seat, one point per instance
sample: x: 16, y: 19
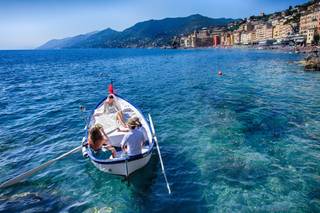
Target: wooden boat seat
x: 116, y: 138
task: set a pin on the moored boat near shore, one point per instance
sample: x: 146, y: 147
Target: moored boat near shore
x: 122, y: 164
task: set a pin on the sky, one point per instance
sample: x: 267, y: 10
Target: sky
x: 26, y: 24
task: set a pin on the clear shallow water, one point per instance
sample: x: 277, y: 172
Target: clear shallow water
x: 245, y: 141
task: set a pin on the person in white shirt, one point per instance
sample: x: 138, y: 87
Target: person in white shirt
x: 141, y: 129
x: 132, y: 142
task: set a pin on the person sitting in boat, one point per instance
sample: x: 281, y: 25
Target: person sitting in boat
x: 132, y: 142
x: 98, y: 139
x: 141, y: 128
x: 111, y: 107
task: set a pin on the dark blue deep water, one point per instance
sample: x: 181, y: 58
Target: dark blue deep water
x: 246, y: 141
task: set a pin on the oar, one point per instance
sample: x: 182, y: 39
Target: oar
x: 159, y: 153
x: 31, y: 172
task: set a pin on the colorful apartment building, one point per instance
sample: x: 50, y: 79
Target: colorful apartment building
x: 263, y: 32
x: 216, y: 40
x: 227, y: 39
x: 310, y: 25
x: 237, y: 37
x: 282, y: 29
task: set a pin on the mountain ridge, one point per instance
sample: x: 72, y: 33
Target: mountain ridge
x: 149, y: 33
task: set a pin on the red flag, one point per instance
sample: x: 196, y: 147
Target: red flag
x: 110, y: 88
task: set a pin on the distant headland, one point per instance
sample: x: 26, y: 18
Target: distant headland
x: 297, y: 27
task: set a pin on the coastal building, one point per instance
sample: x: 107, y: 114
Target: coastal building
x: 230, y: 39
x: 310, y: 36
x: 298, y: 25
x: 309, y: 22
x: 200, y: 38
x: 188, y: 41
x: 227, y: 39
x: 244, y: 38
x: 204, y: 38
x: 216, y: 35
x: 216, y: 40
x: 252, y: 38
x: 263, y: 32
x: 185, y: 42
x: 237, y: 37
x: 247, y: 26
x: 282, y: 30
x: 268, y: 31
x: 193, y: 39
x: 223, y: 39
x: 286, y: 30
x: 248, y: 38
x: 277, y: 30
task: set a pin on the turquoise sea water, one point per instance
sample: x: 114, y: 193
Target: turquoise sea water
x: 246, y: 141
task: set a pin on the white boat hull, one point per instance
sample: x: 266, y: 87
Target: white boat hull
x: 123, y: 168
x: 120, y: 165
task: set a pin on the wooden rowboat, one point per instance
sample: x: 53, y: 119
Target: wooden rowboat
x: 121, y: 165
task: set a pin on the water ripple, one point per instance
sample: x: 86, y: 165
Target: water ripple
x: 247, y: 141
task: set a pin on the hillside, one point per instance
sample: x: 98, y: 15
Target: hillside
x: 152, y: 33
x: 66, y: 42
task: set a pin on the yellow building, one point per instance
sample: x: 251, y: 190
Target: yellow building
x: 227, y: 39
x: 310, y: 36
x: 277, y: 31
x: 248, y: 37
x: 253, y: 37
x: 237, y: 37
x: 259, y: 32
x: 263, y: 32
x: 268, y: 32
x: 231, y: 39
x: 281, y: 30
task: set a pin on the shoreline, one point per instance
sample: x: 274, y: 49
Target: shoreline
x: 290, y: 49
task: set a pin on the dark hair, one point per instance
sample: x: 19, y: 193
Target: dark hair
x: 95, y: 134
x: 139, y: 124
